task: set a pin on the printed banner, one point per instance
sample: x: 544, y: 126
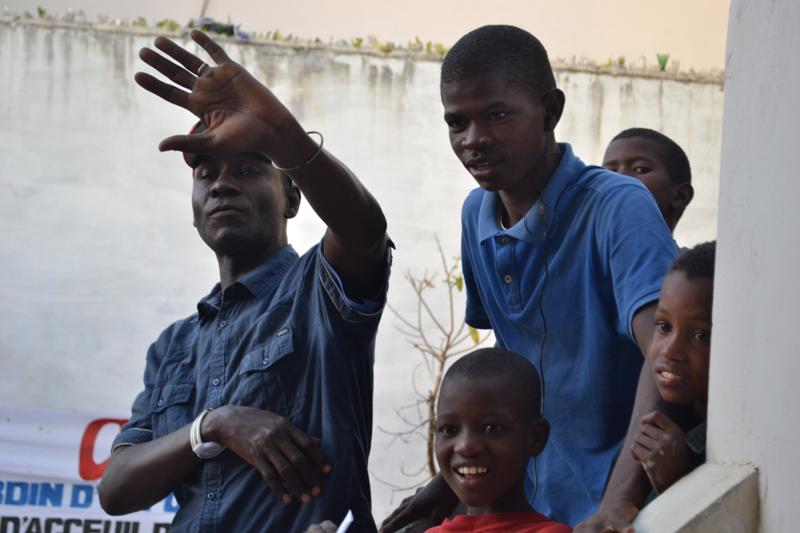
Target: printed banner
x: 50, y: 465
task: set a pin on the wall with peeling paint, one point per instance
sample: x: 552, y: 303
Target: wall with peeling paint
x: 98, y: 251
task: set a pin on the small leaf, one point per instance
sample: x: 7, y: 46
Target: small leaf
x: 662, y: 61
x: 473, y: 333
x: 460, y: 283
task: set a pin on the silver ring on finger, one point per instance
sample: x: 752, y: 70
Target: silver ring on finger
x: 203, y: 69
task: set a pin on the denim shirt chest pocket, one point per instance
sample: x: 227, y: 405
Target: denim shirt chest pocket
x: 261, y: 379
x: 171, y: 407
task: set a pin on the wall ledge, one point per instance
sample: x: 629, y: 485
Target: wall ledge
x: 714, y: 498
x: 711, y: 77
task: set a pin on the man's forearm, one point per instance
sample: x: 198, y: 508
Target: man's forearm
x: 139, y: 476
x: 336, y: 195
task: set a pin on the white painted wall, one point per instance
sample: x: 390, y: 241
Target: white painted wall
x: 97, y: 250
x: 756, y: 360
x: 691, y: 31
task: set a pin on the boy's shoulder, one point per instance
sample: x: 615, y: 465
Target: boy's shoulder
x: 472, y: 202
x: 589, y: 178
x: 605, y: 183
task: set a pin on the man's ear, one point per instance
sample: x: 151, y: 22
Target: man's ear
x: 292, y: 199
x: 540, y: 431
x: 553, y: 103
x: 681, y: 196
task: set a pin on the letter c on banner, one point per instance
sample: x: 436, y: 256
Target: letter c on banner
x: 87, y: 468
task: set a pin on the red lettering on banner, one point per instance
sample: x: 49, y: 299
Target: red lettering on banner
x: 87, y: 468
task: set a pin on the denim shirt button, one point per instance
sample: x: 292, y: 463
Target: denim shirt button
x: 160, y: 402
x: 222, y: 324
x: 265, y: 361
x: 215, y: 382
x: 211, y: 495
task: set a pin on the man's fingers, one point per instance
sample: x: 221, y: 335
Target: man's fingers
x: 289, y: 475
x: 166, y: 67
x: 653, y: 432
x: 325, y: 527
x: 214, y: 50
x: 190, y: 62
x: 647, y: 442
x: 659, y: 419
x: 639, y: 453
x: 311, y: 446
x: 271, y: 477
x: 170, y: 93
x: 198, y: 143
x: 302, y: 463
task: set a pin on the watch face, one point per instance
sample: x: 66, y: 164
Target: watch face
x: 208, y: 450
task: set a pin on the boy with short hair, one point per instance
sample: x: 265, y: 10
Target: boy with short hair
x: 488, y: 425
x: 659, y: 163
x: 679, y: 358
x: 561, y: 260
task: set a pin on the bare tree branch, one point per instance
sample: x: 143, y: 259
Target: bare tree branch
x: 437, y: 349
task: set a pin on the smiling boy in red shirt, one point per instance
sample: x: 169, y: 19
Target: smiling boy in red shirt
x: 488, y: 426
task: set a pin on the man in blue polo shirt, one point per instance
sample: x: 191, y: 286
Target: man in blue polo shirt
x: 257, y: 410
x: 563, y: 261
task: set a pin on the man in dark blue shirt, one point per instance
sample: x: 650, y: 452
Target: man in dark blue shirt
x: 257, y: 410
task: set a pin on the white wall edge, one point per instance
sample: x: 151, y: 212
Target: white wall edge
x: 713, y: 498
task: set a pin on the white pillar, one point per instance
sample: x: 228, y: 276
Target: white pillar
x: 755, y: 351
x: 754, y: 421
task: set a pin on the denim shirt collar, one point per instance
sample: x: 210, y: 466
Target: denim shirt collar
x: 542, y: 216
x: 257, y: 283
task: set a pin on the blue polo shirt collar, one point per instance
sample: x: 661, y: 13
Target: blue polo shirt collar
x: 257, y: 283
x: 531, y: 228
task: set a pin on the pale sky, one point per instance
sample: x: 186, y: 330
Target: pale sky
x: 691, y: 31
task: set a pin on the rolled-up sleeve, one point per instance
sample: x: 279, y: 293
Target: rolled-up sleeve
x: 350, y: 310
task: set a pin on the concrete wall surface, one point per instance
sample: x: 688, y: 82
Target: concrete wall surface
x: 691, y: 31
x: 99, y: 254
x: 756, y: 360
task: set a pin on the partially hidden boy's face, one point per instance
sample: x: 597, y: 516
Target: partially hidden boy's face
x: 640, y: 158
x: 497, y: 131
x: 679, y: 351
x: 484, y: 439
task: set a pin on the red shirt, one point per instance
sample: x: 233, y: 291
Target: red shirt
x: 501, y: 523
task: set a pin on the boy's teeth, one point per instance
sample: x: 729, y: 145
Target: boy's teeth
x: 669, y: 375
x: 472, y: 470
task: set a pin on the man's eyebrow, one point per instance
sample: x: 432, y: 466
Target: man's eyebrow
x: 496, y: 104
x: 630, y: 159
